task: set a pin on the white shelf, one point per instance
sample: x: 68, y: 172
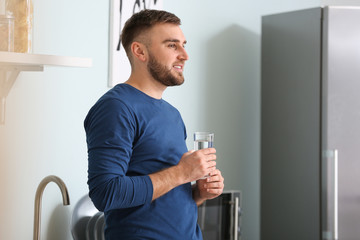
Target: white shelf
x: 16, y: 59
x: 11, y: 64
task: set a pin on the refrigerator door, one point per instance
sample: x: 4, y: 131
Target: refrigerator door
x: 290, y: 126
x: 341, y: 123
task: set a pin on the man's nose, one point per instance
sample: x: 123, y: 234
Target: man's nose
x: 183, y: 54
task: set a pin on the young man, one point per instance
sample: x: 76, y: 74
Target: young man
x: 140, y: 170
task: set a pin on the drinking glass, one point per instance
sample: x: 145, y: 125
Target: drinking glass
x: 203, y: 140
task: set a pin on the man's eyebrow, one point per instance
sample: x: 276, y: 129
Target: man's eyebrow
x: 173, y: 40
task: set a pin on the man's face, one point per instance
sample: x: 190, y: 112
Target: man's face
x: 167, y: 55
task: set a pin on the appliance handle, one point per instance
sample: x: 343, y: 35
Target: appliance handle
x: 236, y: 218
x: 336, y: 194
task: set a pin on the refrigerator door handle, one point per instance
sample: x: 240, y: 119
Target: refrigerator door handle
x: 336, y: 189
x: 236, y: 219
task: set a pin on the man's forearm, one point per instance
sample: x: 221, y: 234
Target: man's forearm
x: 192, y: 166
x: 165, y: 180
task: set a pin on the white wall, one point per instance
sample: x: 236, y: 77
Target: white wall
x: 44, y: 134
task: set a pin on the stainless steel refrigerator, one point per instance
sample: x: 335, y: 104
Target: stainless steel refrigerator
x: 310, y: 124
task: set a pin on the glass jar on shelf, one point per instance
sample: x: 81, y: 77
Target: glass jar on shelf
x: 6, y: 32
x: 22, y: 12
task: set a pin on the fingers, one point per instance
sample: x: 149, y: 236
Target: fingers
x: 215, y: 183
x: 212, y: 186
x: 215, y: 176
x: 215, y: 191
x: 196, y: 164
x: 208, y: 154
x: 207, y: 150
x: 207, y: 159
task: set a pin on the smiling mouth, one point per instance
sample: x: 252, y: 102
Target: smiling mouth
x: 178, y: 67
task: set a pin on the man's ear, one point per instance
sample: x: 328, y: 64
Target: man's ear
x: 139, y: 51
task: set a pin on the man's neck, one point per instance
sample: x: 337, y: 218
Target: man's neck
x: 147, y: 85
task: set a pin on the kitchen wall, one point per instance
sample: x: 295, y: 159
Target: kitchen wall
x: 44, y: 135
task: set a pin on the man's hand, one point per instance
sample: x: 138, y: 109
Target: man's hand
x: 192, y: 166
x: 208, y: 188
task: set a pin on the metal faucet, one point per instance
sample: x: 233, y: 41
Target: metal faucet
x: 38, y: 198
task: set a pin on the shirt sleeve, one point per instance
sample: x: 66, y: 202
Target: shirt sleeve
x: 110, y: 131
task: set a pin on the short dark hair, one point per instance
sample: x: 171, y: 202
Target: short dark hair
x: 141, y: 22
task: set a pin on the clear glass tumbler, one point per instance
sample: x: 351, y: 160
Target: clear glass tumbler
x: 203, y: 140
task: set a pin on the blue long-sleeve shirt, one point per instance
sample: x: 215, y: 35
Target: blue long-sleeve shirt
x: 130, y: 135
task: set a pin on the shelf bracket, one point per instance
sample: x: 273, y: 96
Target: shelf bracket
x: 8, y: 75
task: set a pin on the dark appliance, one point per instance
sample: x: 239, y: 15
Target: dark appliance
x: 219, y: 218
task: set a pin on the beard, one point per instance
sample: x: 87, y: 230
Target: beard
x: 162, y: 74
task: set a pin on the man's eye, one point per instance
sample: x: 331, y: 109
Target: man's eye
x: 172, y: 45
